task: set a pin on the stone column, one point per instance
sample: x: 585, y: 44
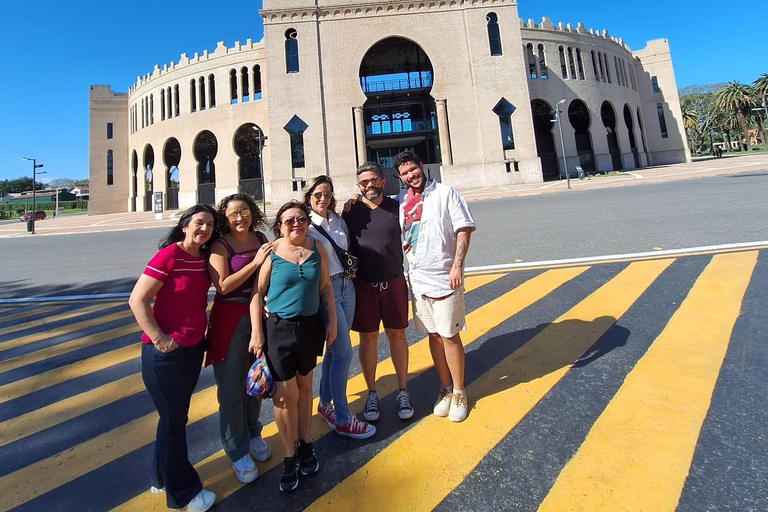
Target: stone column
x: 360, y: 136
x: 442, y: 127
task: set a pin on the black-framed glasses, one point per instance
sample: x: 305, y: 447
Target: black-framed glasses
x: 372, y: 181
x: 295, y: 220
x: 320, y: 195
x: 242, y: 213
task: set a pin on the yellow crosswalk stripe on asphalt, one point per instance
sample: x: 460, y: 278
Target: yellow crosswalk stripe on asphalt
x: 66, y: 329
x: 638, y: 453
x: 502, y: 396
x: 27, y: 311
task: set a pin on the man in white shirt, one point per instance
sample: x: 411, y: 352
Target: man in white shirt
x: 437, y: 226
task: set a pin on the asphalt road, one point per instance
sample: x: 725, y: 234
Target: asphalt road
x: 638, y: 218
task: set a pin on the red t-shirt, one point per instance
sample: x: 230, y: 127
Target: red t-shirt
x: 181, y: 303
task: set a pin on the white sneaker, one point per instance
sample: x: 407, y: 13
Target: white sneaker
x: 443, y: 404
x: 458, y: 411
x: 202, y: 502
x: 245, y: 469
x: 260, y: 450
x: 156, y: 490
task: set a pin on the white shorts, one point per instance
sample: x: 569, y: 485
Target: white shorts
x: 442, y: 316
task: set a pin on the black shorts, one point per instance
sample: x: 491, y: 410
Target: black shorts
x: 293, y: 345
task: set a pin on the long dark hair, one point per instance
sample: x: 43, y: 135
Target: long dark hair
x: 258, y: 220
x: 287, y: 206
x: 176, y: 234
x: 313, y: 184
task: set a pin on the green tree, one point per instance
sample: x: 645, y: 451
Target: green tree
x: 81, y: 183
x: 17, y: 185
x: 739, y: 99
x: 760, y: 87
x: 62, y: 183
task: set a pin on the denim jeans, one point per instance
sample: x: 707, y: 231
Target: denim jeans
x: 238, y: 411
x: 170, y: 379
x: 338, y: 357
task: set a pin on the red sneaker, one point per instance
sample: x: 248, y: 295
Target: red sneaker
x: 356, y: 429
x: 327, y: 413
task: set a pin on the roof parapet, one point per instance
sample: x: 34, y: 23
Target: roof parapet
x: 546, y: 24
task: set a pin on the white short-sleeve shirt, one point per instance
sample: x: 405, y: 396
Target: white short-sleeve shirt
x: 335, y: 226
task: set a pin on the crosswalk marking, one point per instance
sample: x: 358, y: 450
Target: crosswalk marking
x: 216, y: 471
x: 440, y: 454
x: 639, y: 450
x: 31, y: 311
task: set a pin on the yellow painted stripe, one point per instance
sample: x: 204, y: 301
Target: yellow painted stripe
x: 46, y: 417
x: 427, y: 462
x: 638, y: 453
x: 69, y: 346
x: 40, y: 381
x: 216, y: 471
x: 66, y: 329
x: 27, y: 311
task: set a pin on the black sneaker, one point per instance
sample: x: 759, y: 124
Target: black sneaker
x: 404, y: 408
x: 371, y: 412
x: 290, y: 479
x: 308, y: 463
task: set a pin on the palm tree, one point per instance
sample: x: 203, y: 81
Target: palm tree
x: 760, y: 87
x: 738, y: 99
x: 691, y: 124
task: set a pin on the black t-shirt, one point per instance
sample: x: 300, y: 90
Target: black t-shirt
x: 374, y: 237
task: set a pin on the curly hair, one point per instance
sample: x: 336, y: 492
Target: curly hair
x: 313, y: 184
x: 293, y: 203
x: 176, y: 234
x: 258, y: 219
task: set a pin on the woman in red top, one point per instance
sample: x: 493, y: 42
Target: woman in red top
x: 233, y: 266
x: 172, y: 353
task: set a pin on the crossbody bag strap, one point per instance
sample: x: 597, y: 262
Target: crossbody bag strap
x: 326, y: 235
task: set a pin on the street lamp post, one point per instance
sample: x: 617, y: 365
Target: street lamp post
x: 562, y: 142
x: 35, y: 167
x: 262, y: 138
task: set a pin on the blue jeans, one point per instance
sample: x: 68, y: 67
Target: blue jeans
x: 338, y: 357
x: 170, y: 379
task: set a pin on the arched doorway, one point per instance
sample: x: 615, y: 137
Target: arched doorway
x: 545, y: 141
x: 149, y: 164
x: 609, y: 121
x: 578, y: 116
x: 249, y: 144
x: 631, y: 131
x: 135, y: 173
x: 205, y: 148
x: 399, y: 113
x: 172, y: 157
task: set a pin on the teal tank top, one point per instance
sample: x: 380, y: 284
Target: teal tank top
x: 294, y: 289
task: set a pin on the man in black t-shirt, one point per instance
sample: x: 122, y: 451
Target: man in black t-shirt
x: 380, y: 289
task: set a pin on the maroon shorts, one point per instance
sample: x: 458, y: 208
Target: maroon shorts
x: 376, y: 303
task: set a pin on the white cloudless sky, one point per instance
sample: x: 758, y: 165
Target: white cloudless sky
x: 52, y: 51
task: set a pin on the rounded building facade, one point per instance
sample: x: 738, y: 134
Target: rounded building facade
x: 484, y: 98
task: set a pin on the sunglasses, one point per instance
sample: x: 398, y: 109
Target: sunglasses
x: 234, y: 215
x: 372, y: 181
x: 321, y: 195
x: 295, y: 220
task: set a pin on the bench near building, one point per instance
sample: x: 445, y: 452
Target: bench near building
x: 334, y: 83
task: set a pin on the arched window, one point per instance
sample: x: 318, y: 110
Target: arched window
x: 504, y: 110
x: 594, y: 66
x: 602, y: 69
x: 110, y: 168
x: 632, y: 75
x: 291, y: 51
x: 624, y: 72
x: 571, y: 63
x: 232, y: 86
x: 296, y: 128
x: 211, y: 91
x: 494, y: 36
x: 662, y: 121
x: 580, y: 64
x: 169, y: 100
x: 162, y: 104
x: 618, y: 71
x: 201, y: 85
x: 531, y: 61
x: 192, y: 96
x: 245, y: 84
x: 176, y: 109
x: 563, y: 65
x: 151, y: 109
x: 256, y: 82
x: 607, y: 68
x: 543, y: 73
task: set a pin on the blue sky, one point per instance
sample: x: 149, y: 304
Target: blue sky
x: 51, y: 52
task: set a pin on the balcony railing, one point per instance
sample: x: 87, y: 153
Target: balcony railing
x: 404, y: 84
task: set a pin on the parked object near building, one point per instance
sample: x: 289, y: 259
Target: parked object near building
x: 38, y: 215
x: 261, y: 117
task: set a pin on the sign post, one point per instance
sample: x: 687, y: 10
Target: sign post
x: 158, y: 205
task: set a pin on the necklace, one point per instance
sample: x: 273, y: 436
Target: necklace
x: 299, y: 251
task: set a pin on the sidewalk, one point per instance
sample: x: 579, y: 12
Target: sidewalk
x: 75, y: 224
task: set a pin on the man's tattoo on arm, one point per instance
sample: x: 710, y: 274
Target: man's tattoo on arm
x: 458, y: 261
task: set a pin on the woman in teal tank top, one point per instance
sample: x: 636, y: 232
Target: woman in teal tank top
x: 293, y: 281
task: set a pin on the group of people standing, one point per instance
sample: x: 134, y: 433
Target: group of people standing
x: 290, y: 300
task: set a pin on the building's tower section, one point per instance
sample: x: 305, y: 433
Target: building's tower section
x: 108, y: 150
x: 662, y: 117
